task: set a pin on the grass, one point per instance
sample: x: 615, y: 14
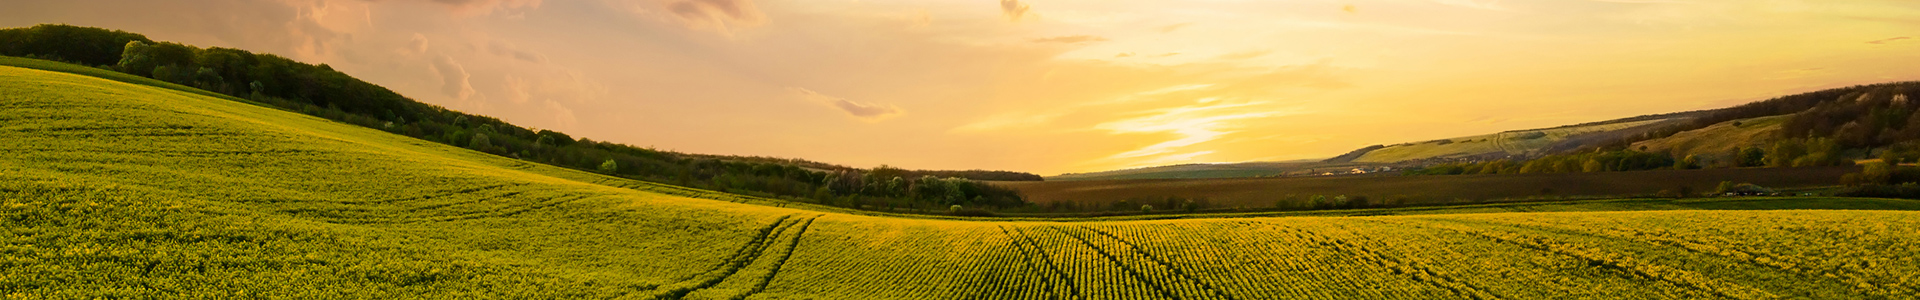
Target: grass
x: 1511, y: 142
x: 1717, y: 139
x: 117, y: 190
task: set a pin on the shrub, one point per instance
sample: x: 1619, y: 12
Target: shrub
x: 609, y: 166
x: 1146, y: 208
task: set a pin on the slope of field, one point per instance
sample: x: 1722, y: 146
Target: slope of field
x: 1717, y: 139
x: 1504, y: 143
x: 1422, y: 190
x: 115, y: 190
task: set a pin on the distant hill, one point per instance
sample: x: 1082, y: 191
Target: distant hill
x: 1515, y: 142
x: 1231, y: 170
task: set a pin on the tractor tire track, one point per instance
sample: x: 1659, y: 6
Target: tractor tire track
x: 745, y: 249
x: 726, y: 270
x: 1123, y: 266
x: 1023, y: 241
x: 1163, y: 263
x: 792, y: 245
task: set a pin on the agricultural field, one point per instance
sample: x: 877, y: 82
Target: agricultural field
x: 1292, y: 192
x: 1504, y: 143
x: 111, y: 189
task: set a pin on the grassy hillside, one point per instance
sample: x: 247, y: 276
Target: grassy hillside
x: 117, y: 190
x: 1717, y: 139
x: 1504, y: 143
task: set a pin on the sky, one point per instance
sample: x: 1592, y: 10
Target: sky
x: 1049, y: 86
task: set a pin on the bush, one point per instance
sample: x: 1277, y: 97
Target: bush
x: 609, y: 166
x: 1903, y: 191
x: 1146, y: 208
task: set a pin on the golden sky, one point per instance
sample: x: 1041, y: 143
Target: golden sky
x: 1050, y: 86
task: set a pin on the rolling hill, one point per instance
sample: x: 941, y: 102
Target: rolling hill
x: 132, y: 188
x: 1202, y: 171
x: 1511, y: 143
x: 1717, y: 139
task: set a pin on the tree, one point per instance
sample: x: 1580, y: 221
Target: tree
x: 1592, y: 166
x: 1878, y: 172
x: 609, y: 166
x: 1784, y: 152
x: 1691, y: 162
x: 1751, y: 157
x: 480, y: 142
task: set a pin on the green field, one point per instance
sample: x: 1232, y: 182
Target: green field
x: 118, y: 190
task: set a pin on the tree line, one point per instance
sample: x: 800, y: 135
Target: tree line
x: 321, y: 91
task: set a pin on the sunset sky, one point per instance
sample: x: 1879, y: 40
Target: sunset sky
x: 1050, y: 86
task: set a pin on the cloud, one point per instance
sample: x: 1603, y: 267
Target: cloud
x: 417, y: 45
x: 1071, y: 39
x: 1171, y: 28
x: 1887, y: 41
x: 482, y: 7
x: 1475, y: 4
x: 863, y: 111
x: 1194, y: 124
x: 719, y: 15
x: 503, y: 49
x: 562, y: 116
x: 1013, y: 9
x: 518, y: 89
x: 1124, y: 54
x: 1350, y: 9
x: 454, y: 79
x: 1244, y: 55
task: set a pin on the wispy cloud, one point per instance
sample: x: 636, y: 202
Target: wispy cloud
x: 1194, y: 124
x: 869, y: 112
x: 1171, y: 28
x: 503, y: 49
x: 719, y: 15
x: 1013, y: 9
x: 483, y: 7
x: 1888, y: 41
x: 1071, y: 39
x: 1475, y: 4
x: 1244, y: 55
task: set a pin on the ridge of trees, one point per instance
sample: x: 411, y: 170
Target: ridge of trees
x: 321, y: 91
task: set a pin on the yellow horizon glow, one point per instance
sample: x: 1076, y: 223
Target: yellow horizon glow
x: 1051, y: 86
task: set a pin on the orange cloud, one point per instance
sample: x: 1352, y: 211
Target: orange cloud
x: 717, y: 14
x: 1071, y: 39
x: 1013, y: 9
x: 864, y: 111
x: 1886, y: 41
